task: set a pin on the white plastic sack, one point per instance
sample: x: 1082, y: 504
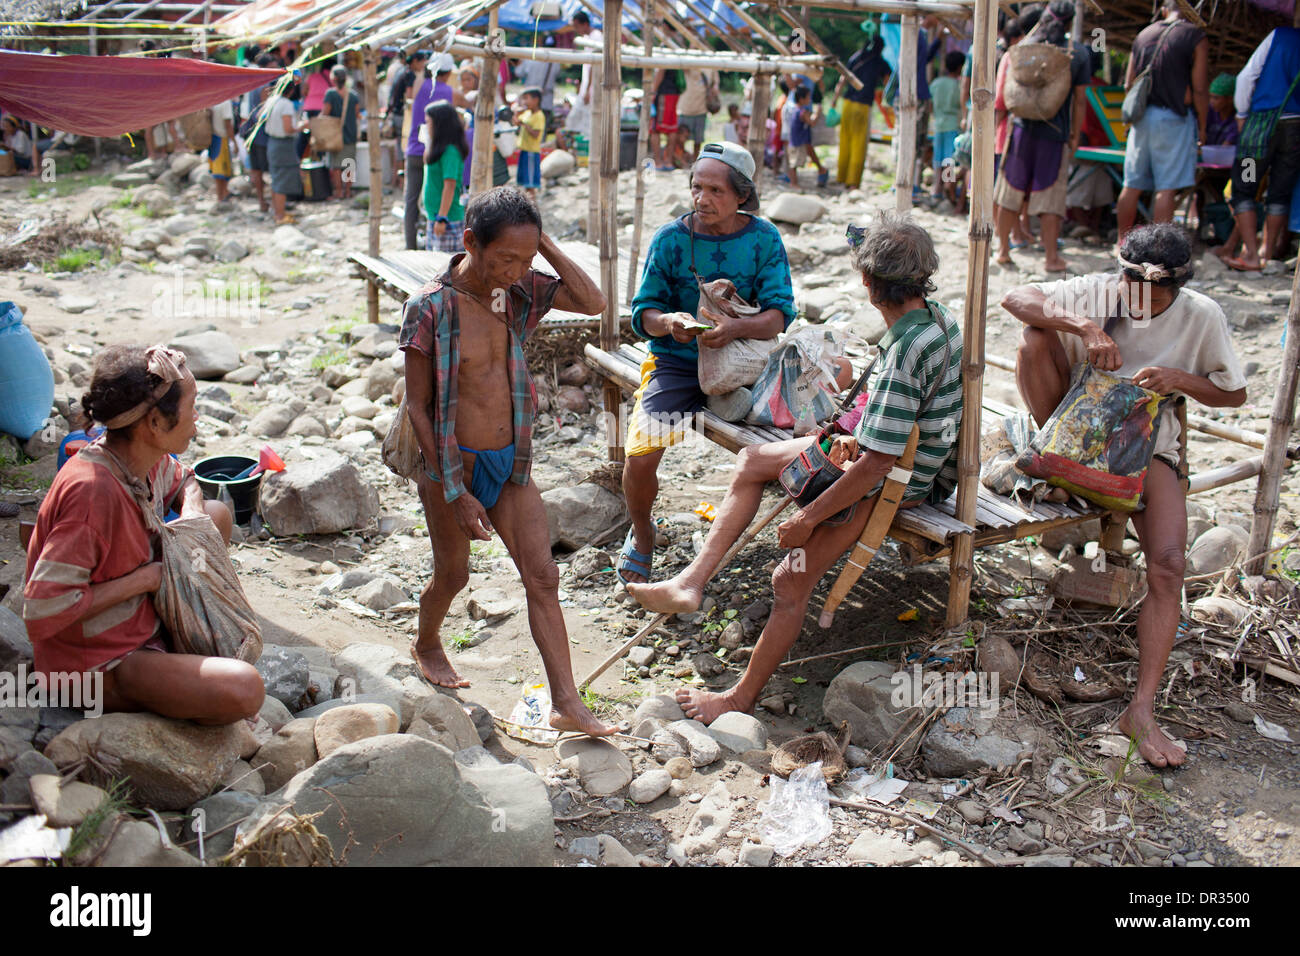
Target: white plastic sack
x: 799, y: 811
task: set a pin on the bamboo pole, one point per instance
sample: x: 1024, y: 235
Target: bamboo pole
x: 480, y: 170
x: 370, y: 63
x: 642, y: 152
x: 606, y: 118
x: 1228, y: 475
x: 906, y: 133
x: 663, y: 57
x: 801, y: 23
x: 960, y: 8
x: 759, y: 99
x: 595, y: 143
x: 1279, y: 432
x: 961, y: 564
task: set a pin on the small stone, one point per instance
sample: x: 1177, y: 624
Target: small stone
x: 679, y: 768
x: 650, y: 786
x: 774, y: 703
x: 1239, y: 712
x: 971, y: 812
x: 756, y: 854
x: 350, y: 723
x: 641, y: 656
x: 601, y: 767
x: 64, y: 806
x: 739, y: 732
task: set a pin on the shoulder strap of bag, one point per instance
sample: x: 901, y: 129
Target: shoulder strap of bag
x: 1169, y: 28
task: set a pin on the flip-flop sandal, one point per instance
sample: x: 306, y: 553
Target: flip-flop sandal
x: 630, y: 559
x: 1234, y: 263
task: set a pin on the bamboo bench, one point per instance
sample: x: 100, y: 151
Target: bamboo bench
x: 401, y: 274
x: 925, y: 531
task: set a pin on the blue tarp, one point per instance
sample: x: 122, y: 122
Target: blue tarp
x: 519, y: 15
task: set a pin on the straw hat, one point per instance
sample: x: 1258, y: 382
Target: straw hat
x: 1038, y: 80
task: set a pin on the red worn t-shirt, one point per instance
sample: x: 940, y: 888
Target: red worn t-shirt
x: 90, y: 530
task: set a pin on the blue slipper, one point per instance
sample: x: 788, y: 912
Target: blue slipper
x: 630, y: 559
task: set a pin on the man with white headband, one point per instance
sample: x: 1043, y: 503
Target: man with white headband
x: 1143, y: 325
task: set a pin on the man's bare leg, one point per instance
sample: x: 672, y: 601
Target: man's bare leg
x: 640, y: 488
x: 1053, y: 261
x: 1042, y: 372
x: 206, y: 690
x: 450, y: 575
x: 1162, y: 206
x: 1126, y: 210
x: 755, y: 467
x: 1007, y: 220
x: 1162, y: 531
x: 793, y: 583
x: 520, y: 518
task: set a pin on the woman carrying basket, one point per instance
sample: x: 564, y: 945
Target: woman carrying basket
x: 92, y: 568
x: 918, y: 382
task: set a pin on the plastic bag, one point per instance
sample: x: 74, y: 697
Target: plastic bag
x: 796, y: 387
x: 200, y: 601
x: 533, y: 709
x: 799, y: 811
x: 1098, y: 443
x: 401, y: 451
x: 26, y: 380
x: 738, y: 363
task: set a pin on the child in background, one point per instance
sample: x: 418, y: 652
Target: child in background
x: 731, y: 128
x: 532, y: 126
x: 444, y: 160
x: 805, y: 114
x: 946, y: 94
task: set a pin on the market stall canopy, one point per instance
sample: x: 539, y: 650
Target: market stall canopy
x: 111, y: 95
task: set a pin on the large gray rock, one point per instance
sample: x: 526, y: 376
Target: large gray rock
x: 208, y: 354
x: 576, y: 515
x: 398, y: 800
x: 12, y: 743
x: 285, y: 673
x: 169, y: 763
x: 345, y: 725
x: 136, y: 843
x: 217, y: 813
x: 739, y: 732
x: 601, y: 767
x: 271, y: 421
x: 379, y: 594
x: 1216, y: 549
x: 15, y: 648
x: 861, y: 695
x: 317, y: 497
x: 442, y: 720
x: 965, y: 742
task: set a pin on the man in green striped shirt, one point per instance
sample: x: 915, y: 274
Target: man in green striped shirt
x: 918, y: 381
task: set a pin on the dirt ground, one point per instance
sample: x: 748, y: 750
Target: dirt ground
x: 1236, y: 801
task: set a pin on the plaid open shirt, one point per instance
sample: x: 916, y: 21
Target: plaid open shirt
x: 431, y: 325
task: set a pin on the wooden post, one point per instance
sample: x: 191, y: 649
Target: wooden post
x: 1279, y: 430
x: 606, y: 119
x: 480, y: 170
x: 759, y: 100
x: 370, y: 65
x: 905, y: 132
x: 961, y: 563
x: 594, y: 146
x: 642, y: 150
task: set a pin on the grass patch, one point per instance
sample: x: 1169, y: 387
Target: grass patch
x: 604, y: 706
x: 83, y: 837
x: 1281, y: 564
x: 67, y: 184
x: 460, y: 640
x: 339, y: 357
x: 124, y: 201
x: 74, y: 260
x: 345, y: 325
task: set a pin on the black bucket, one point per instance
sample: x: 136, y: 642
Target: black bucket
x: 214, y: 476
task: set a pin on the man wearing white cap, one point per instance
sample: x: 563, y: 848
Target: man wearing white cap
x: 721, y: 239
x: 428, y: 90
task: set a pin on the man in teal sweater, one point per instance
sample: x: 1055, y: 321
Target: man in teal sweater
x: 721, y: 239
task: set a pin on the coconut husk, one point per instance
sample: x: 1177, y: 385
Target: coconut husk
x: 802, y: 751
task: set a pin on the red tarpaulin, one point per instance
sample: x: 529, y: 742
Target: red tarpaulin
x: 112, y: 95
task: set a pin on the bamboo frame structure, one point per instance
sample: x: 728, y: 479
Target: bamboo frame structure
x: 480, y: 175
x: 607, y: 208
x: 759, y: 98
x: 596, y: 143
x: 961, y: 564
x: 642, y: 152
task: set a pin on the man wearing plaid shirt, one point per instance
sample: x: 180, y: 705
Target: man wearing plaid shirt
x: 918, y: 382
x: 471, y: 404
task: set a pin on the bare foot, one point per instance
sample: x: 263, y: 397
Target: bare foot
x: 1155, y: 748
x: 1056, y: 264
x: 666, y: 597
x: 707, y: 706
x: 577, y: 717
x: 1005, y: 260
x: 435, y: 668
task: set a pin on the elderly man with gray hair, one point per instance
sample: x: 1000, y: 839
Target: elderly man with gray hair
x: 917, y: 381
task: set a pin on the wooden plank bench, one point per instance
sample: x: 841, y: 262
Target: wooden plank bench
x: 926, y: 530
x: 401, y: 274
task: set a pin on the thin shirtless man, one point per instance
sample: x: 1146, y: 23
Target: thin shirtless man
x: 471, y: 405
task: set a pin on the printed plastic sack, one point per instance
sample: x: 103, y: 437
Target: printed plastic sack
x: 200, y: 601
x: 26, y: 381
x: 401, y: 451
x: 796, y: 387
x: 738, y: 363
x: 1098, y: 442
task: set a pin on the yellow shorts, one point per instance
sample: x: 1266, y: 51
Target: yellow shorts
x: 663, y: 408
x: 220, y: 165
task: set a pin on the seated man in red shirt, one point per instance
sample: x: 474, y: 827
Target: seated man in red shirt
x: 91, y: 570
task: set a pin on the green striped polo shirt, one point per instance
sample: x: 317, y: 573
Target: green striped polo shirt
x: 911, y: 359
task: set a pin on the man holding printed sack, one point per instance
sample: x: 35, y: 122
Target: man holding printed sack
x: 1167, y: 339
x: 726, y: 241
